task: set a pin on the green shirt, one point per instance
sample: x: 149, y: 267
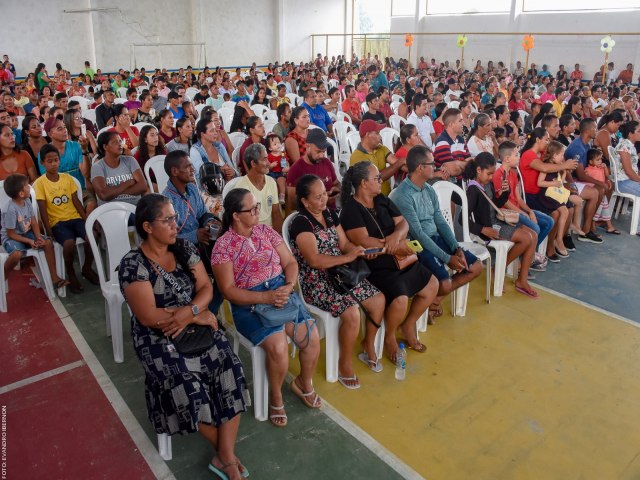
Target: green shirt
x: 88, y: 71
x: 378, y: 157
x: 420, y: 207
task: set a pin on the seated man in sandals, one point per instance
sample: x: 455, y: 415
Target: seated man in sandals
x: 418, y: 203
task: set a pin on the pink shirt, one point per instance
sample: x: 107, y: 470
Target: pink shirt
x: 254, y: 259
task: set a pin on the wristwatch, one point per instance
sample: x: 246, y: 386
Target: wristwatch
x: 195, y: 309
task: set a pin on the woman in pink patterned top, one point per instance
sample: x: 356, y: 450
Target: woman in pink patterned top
x: 253, y: 266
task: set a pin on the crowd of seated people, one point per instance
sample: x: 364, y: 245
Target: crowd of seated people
x: 531, y: 142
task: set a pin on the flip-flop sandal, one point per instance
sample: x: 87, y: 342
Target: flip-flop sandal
x: 273, y: 417
x: 314, y: 403
x: 613, y: 232
x: 344, y: 380
x: 219, y: 471
x: 374, y: 365
x: 529, y: 293
x: 61, y: 283
x: 436, y: 309
x: 420, y: 349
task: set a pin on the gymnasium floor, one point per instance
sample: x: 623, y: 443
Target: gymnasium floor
x: 517, y: 389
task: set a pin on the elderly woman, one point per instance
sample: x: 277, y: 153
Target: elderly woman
x: 371, y: 220
x: 168, y: 291
x: 207, y: 148
x: 481, y: 137
x: 255, y: 271
x: 319, y: 243
x: 627, y: 159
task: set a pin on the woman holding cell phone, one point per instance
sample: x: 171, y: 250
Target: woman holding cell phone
x: 319, y: 243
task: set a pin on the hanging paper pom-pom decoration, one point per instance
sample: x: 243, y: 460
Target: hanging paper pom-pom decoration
x: 462, y: 41
x: 408, y: 40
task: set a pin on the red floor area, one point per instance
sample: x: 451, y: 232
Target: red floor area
x: 62, y: 427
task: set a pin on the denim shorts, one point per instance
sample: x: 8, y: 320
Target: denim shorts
x: 435, y: 265
x: 11, y: 245
x: 248, y: 323
x: 68, y: 230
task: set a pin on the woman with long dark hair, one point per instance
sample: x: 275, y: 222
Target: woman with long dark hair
x: 167, y: 289
x: 150, y: 145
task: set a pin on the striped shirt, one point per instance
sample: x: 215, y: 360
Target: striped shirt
x: 447, y: 150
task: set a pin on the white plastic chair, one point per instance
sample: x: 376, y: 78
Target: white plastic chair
x: 226, y: 115
x: 84, y: 103
x: 260, y: 110
x: 122, y: 92
x: 42, y: 268
x: 635, y: 212
x: 396, y: 122
x: 118, y: 101
x: 200, y: 107
x: 113, y: 217
x: 268, y: 125
x: 542, y: 249
x: 454, y: 104
x: 89, y: 115
x: 389, y: 136
x: 329, y: 325
x: 102, y: 130
x: 343, y: 117
x: 445, y: 190
x: 61, y: 269
x: 237, y: 139
x: 353, y: 140
x: 192, y: 92
x: 235, y: 157
x: 156, y: 165
x: 397, y: 98
x: 394, y: 107
x: 271, y: 115
x: 228, y: 104
x: 340, y: 129
x: 230, y: 185
x: 139, y: 126
x: 364, y: 107
x: 339, y: 160
x: 294, y: 99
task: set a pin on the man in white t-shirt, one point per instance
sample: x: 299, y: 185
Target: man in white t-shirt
x: 263, y: 187
x: 420, y: 118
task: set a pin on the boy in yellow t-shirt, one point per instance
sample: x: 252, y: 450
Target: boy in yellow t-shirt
x: 63, y: 215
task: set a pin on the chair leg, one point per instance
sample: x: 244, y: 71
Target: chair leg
x: 164, y: 446
x: 500, y: 270
x: 462, y: 294
x: 379, y: 341
x: 115, y: 320
x: 332, y: 346
x: 260, y: 384
x: 60, y: 268
x: 488, y: 287
x: 635, y: 214
x: 3, y: 284
x: 44, y: 274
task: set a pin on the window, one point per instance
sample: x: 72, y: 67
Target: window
x: 403, y: 8
x: 554, y: 5
x: 439, y: 7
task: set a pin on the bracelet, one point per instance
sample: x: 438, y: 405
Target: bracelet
x: 85, y: 153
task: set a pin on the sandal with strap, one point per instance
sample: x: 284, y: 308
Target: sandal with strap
x: 354, y: 385
x: 275, y: 416
x: 219, y: 471
x: 310, y: 399
x: 374, y: 365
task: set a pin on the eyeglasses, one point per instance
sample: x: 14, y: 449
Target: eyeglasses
x: 254, y: 211
x: 172, y: 219
x: 377, y: 177
x: 428, y: 164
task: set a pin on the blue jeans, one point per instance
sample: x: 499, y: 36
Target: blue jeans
x: 542, y: 228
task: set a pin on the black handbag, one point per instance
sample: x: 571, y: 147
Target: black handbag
x: 194, y: 338
x: 349, y: 275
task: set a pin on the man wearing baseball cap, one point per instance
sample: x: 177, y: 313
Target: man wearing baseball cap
x: 371, y: 148
x: 314, y: 162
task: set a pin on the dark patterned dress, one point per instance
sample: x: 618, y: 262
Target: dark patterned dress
x: 182, y: 390
x: 316, y: 286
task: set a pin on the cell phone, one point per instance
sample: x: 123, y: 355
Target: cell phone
x: 414, y: 245
x: 373, y: 251
x: 83, y: 130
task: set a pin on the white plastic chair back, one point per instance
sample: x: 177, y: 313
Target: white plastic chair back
x: 226, y: 115
x: 271, y: 115
x: 445, y: 190
x: 230, y: 185
x: 389, y: 136
x: 332, y: 116
x: 260, y: 110
x: 364, y: 107
x: 353, y: 139
x: 192, y: 92
x: 523, y: 115
x: 333, y: 83
x: 235, y: 157
x: 397, y: 98
x: 89, y: 115
x: 341, y: 128
x: 84, y: 103
x: 102, y: 130
x: 200, y: 107
x: 454, y: 104
x: 336, y: 159
x: 228, y: 104
x: 269, y: 124
x: 396, y: 122
x: 139, y: 126
x: 156, y: 165
x: 394, y: 107
x: 312, y: 126
x: 344, y: 117
x: 237, y: 139
x: 294, y: 99
x: 122, y: 92
x: 119, y: 101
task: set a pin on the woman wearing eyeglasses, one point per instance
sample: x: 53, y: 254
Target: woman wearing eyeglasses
x: 186, y: 393
x: 254, y: 269
x: 371, y: 220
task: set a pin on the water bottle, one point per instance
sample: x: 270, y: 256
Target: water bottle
x: 401, y: 363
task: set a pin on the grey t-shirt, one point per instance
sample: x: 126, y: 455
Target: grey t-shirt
x: 115, y: 176
x: 16, y: 218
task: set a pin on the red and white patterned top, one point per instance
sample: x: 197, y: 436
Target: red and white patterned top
x: 254, y: 259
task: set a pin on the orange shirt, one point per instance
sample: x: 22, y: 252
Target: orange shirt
x: 352, y: 107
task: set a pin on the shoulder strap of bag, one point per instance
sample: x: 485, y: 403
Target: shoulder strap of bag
x: 170, y: 279
x: 479, y: 187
